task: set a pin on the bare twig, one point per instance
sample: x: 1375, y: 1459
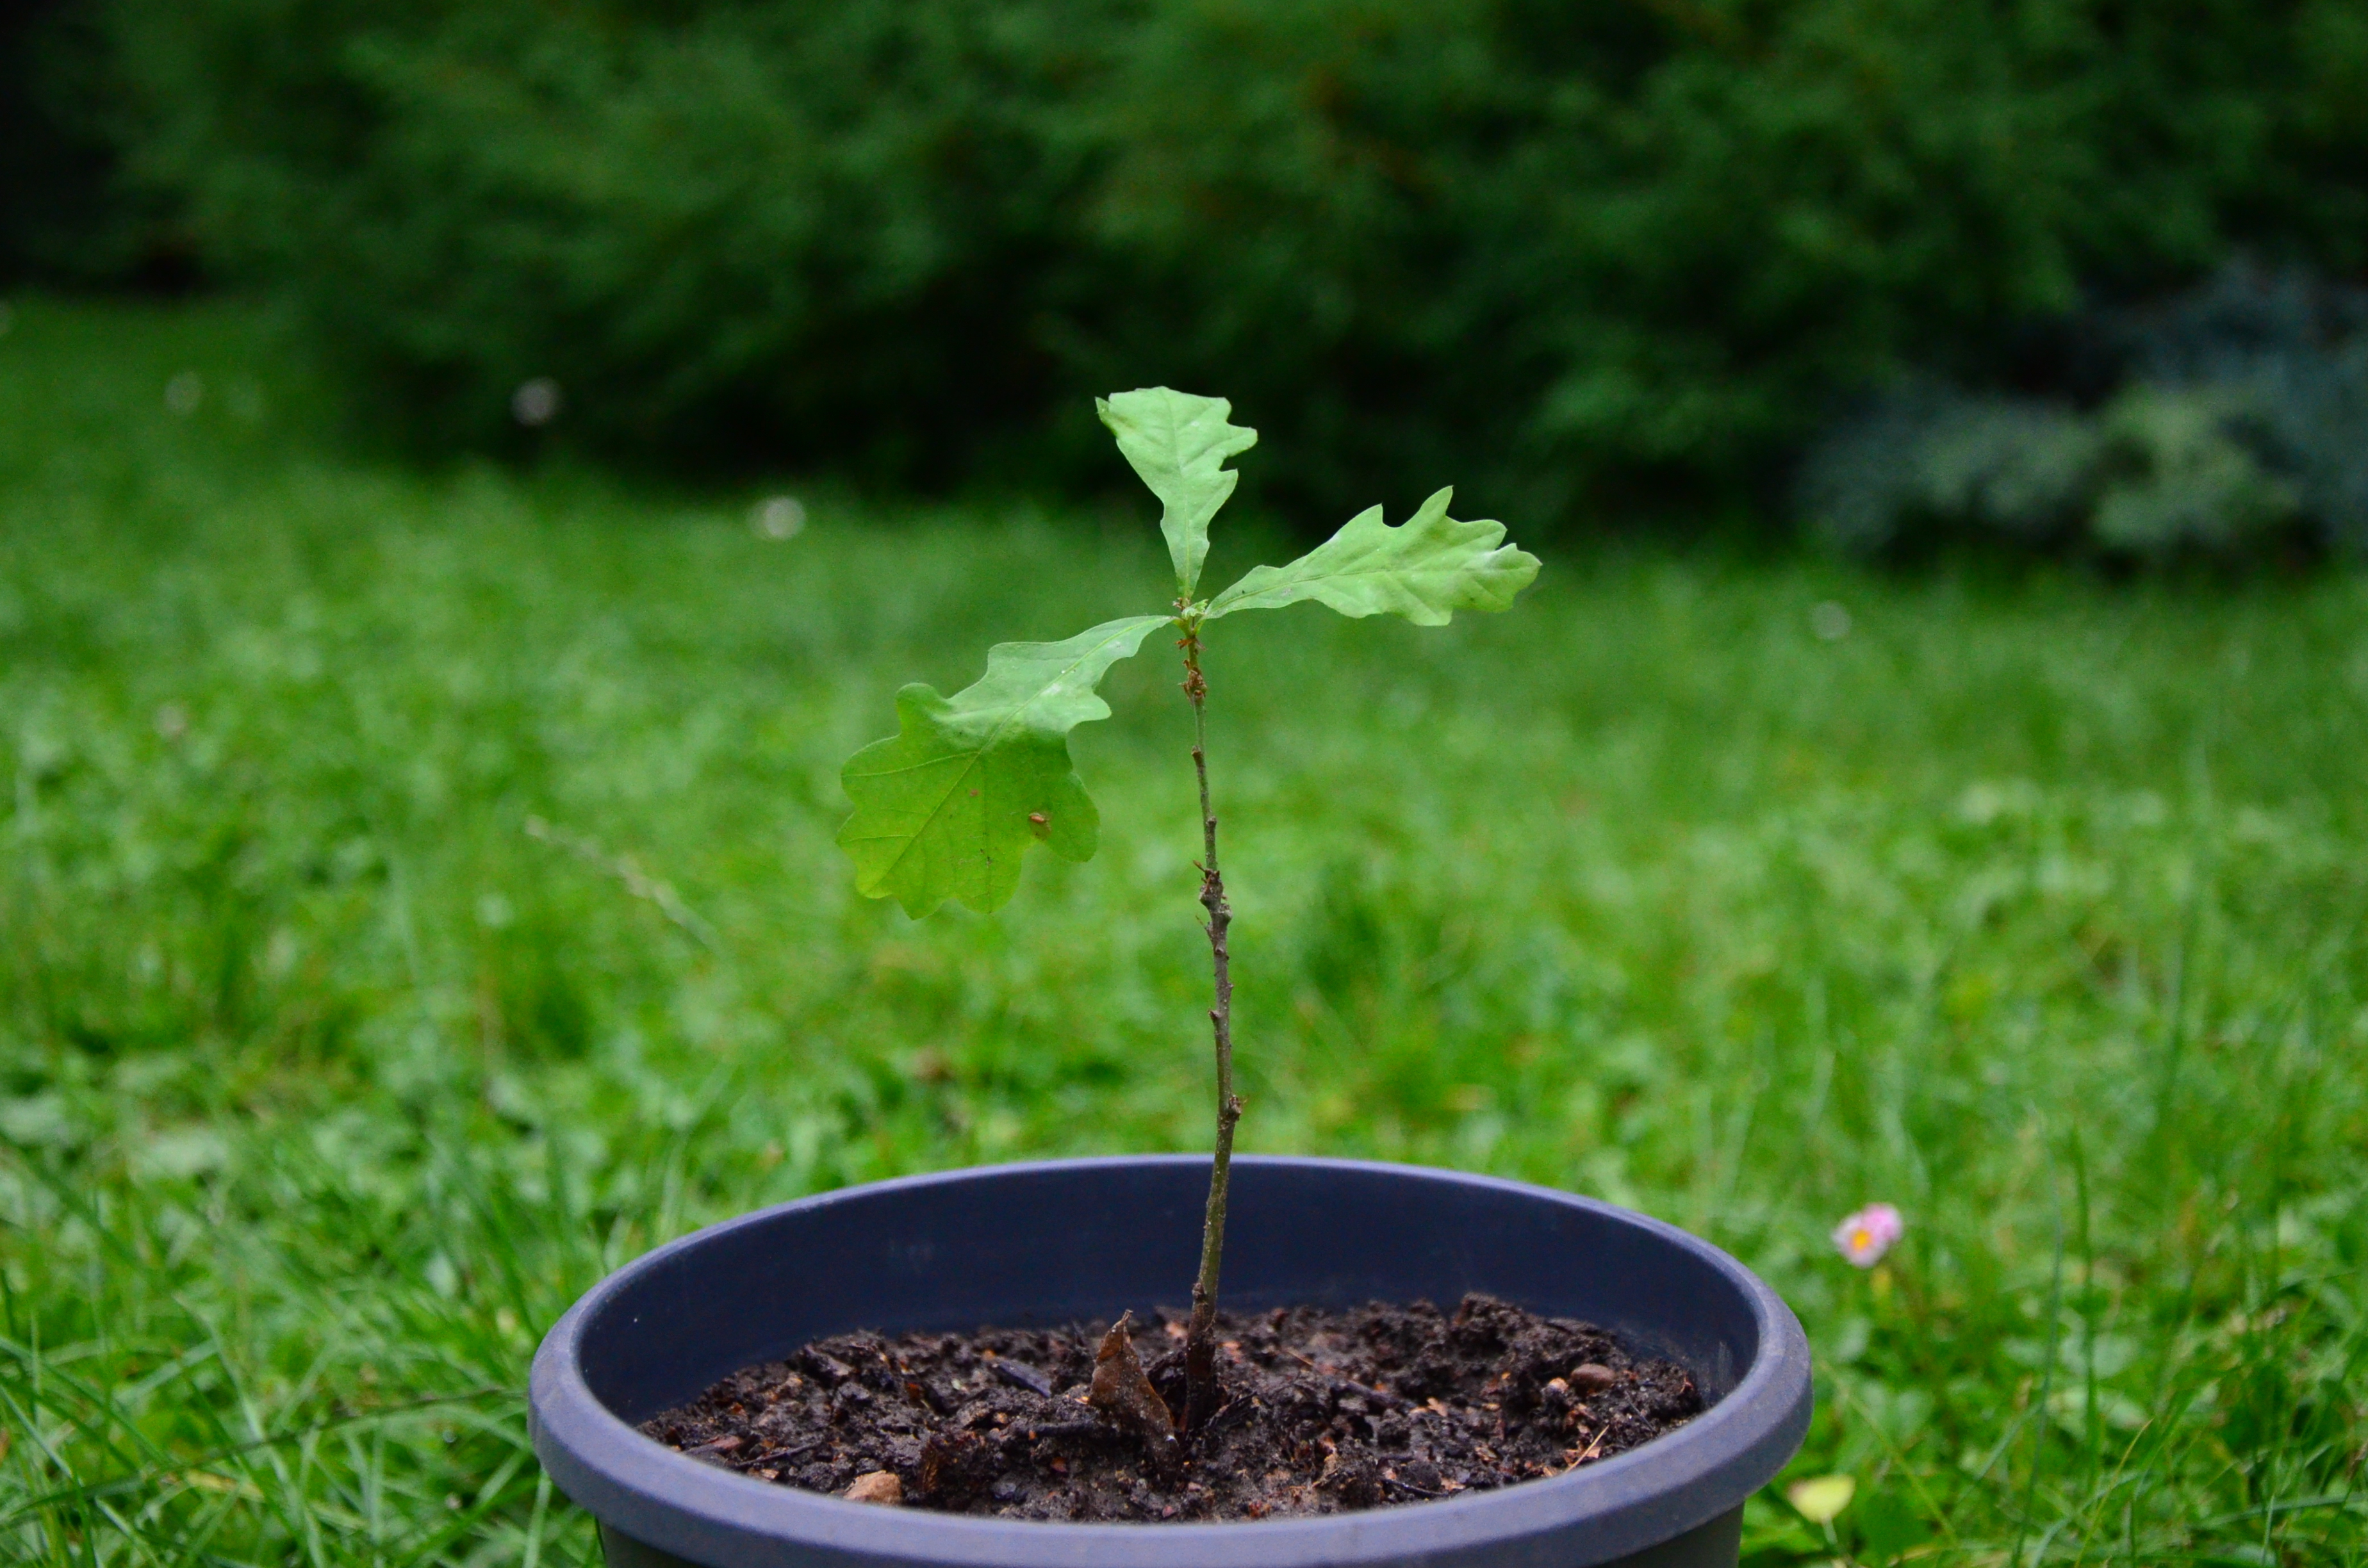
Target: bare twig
x: 1200, y: 1333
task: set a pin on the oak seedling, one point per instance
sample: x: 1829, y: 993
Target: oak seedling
x: 947, y: 807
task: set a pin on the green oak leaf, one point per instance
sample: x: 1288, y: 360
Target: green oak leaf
x: 1425, y: 570
x: 945, y: 807
x: 1179, y: 443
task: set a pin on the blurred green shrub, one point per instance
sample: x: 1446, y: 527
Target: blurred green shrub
x: 2020, y: 468
x: 2234, y: 418
x: 1577, y: 249
x: 2179, y: 476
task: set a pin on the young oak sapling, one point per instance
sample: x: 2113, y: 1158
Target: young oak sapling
x: 946, y: 807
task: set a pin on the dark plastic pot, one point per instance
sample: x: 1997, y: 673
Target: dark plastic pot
x: 1046, y: 1243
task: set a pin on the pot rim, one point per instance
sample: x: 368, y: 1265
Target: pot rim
x: 706, y: 1514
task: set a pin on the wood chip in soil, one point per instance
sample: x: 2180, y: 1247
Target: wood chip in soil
x: 1324, y: 1411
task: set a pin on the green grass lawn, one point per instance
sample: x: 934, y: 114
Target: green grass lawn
x: 418, y: 897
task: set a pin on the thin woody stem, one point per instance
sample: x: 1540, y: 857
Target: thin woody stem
x: 1200, y: 1336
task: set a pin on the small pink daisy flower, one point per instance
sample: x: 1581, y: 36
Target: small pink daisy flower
x: 1866, y: 1235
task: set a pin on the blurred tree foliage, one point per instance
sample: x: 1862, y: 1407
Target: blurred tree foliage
x: 1562, y: 250
x: 62, y: 216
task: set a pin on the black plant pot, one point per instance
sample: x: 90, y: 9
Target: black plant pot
x: 1047, y: 1243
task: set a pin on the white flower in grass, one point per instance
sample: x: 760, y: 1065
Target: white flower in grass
x: 535, y: 403
x: 1866, y: 1235
x: 779, y: 516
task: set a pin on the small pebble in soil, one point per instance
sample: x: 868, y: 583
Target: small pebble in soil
x: 1591, y: 1377
x: 1324, y: 1412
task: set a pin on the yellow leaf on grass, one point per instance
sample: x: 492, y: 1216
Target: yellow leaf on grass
x: 1820, y: 1497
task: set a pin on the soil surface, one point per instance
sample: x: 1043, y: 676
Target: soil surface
x: 1324, y: 1411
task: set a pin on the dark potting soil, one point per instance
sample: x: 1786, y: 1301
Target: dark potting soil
x: 1324, y: 1412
